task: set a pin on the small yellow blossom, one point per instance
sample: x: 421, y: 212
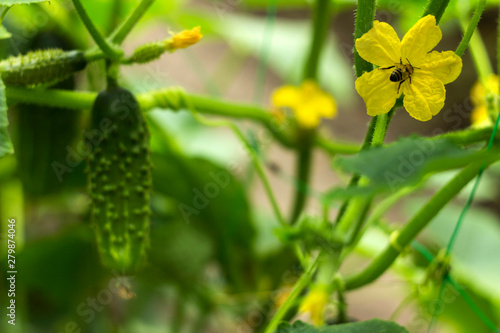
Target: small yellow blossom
x: 186, y: 38
x: 406, y: 67
x: 479, y: 116
x: 315, y: 303
x: 308, y: 102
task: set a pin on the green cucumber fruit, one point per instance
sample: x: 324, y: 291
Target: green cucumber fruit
x: 119, y: 170
x: 41, y: 67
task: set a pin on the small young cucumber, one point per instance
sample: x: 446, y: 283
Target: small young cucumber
x: 41, y: 67
x: 119, y: 170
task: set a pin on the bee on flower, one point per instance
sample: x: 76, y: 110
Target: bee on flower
x: 406, y: 67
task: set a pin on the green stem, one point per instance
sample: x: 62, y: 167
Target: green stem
x: 103, y: 44
x: 303, y: 170
x: 321, y: 22
x: 306, y: 138
x: 52, y: 97
x: 342, y: 304
x: 477, y: 48
x: 161, y: 99
x: 468, y: 136
x: 260, y: 172
x: 94, y: 55
x: 297, y: 289
x: 337, y: 147
x: 413, y: 227
x: 351, y: 209
x: 380, y: 130
x: 118, y: 36
x: 208, y: 105
x: 365, y: 15
x: 470, y: 29
x: 436, y: 8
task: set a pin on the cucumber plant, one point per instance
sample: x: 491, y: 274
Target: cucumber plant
x: 119, y: 166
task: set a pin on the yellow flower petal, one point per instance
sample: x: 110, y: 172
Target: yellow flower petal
x: 420, y: 39
x: 324, y: 105
x: 186, y: 38
x: 315, y: 303
x: 288, y: 96
x: 380, y: 45
x: 306, y: 116
x: 424, y: 97
x: 446, y: 66
x: 308, y: 102
x: 378, y: 92
x: 479, y: 117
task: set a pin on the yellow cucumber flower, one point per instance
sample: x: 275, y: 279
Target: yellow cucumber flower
x: 315, y: 302
x: 186, y: 38
x: 479, y: 116
x: 406, y: 67
x: 308, y: 102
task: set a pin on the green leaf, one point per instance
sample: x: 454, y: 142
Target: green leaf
x: 372, y: 326
x: 5, y: 142
x: 4, y: 34
x: 9, y: 3
x: 409, y: 160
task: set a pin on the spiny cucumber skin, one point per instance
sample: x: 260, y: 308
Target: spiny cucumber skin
x: 41, y: 67
x: 120, y: 180
x: 148, y: 52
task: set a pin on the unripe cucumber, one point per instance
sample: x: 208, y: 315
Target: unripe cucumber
x: 41, y: 67
x: 148, y: 52
x: 119, y: 171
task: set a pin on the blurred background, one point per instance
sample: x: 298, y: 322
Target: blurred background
x: 224, y: 269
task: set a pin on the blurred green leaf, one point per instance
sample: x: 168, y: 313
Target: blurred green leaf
x: 372, y: 326
x: 5, y: 141
x: 408, y: 160
x: 180, y: 250
x: 210, y: 198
